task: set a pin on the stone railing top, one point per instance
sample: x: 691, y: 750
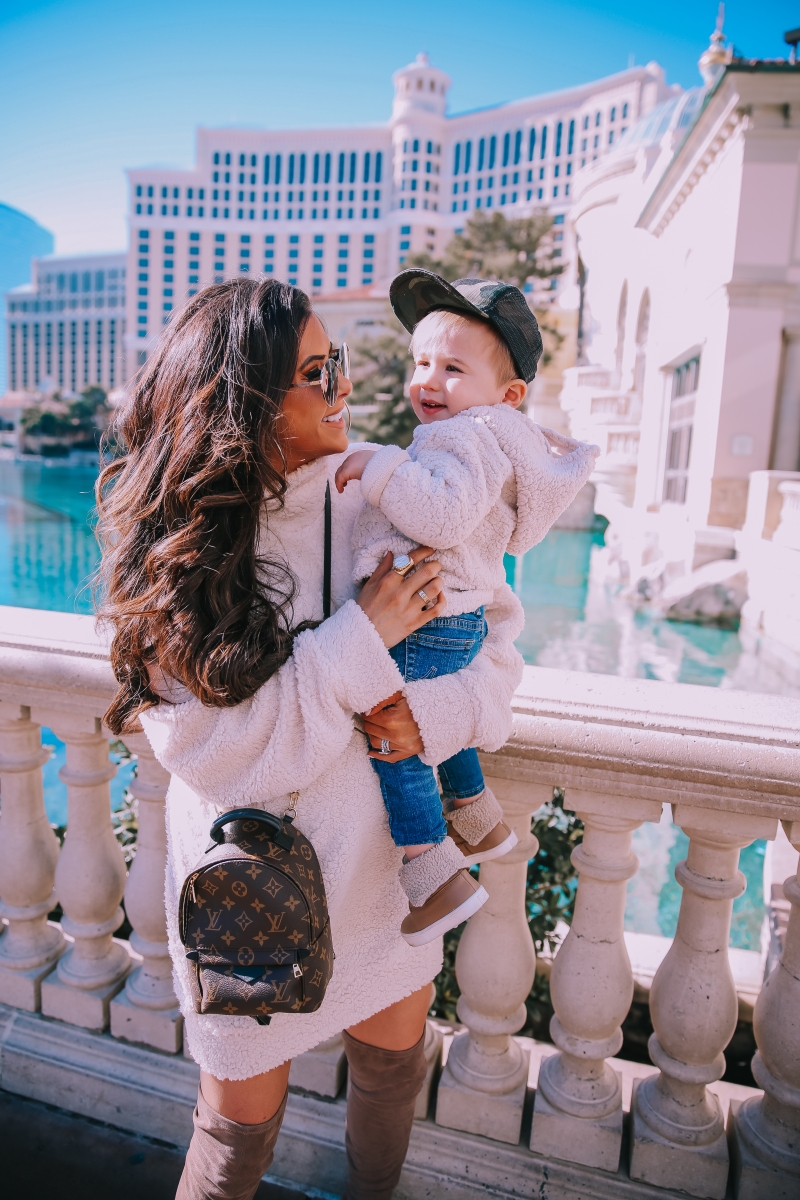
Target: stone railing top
x: 630, y: 738
x: 643, y: 739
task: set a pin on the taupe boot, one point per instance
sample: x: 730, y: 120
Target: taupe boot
x: 441, y: 893
x: 384, y: 1085
x: 479, y: 831
x: 226, y: 1160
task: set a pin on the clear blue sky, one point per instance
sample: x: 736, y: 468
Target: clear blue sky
x: 89, y: 87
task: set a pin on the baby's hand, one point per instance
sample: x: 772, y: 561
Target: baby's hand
x: 353, y: 467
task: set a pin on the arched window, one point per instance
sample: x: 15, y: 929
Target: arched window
x: 492, y: 151
x: 531, y: 143
x: 506, y: 148
x: 622, y: 315
x: 481, y: 153
x: 642, y: 331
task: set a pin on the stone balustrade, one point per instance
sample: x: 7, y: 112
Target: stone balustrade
x: 788, y: 531
x: 727, y: 764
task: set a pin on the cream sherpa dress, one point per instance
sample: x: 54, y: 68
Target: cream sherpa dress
x: 298, y: 732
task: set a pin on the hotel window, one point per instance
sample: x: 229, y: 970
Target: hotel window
x: 624, y: 111
x: 543, y: 142
x: 613, y: 115
x: 531, y: 144
x: 597, y: 118
x: 517, y: 146
x: 492, y: 151
x: 571, y: 137
x: 506, y: 148
x: 685, y: 379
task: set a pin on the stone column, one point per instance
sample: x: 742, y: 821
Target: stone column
x: 90, y: 880
x: 482, y: 1088
x: 578, y: 1107
x: 786, y: 446
x: 321, y: 1070
x: 146, y: 1010
x: 765, y: 1132
x: 678, y: 1134
x: 29, y: 946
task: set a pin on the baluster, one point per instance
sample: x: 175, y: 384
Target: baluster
x: 321, y: 1070
x: 146, y: 1010
x: 29, y: 946
x: 765, y: 1131
x: 482, y: 1088
x: 678, y: 1134
x: 90, y: 879
x: 578, y: 1107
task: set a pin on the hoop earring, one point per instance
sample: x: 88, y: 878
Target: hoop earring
x: 349, y: 417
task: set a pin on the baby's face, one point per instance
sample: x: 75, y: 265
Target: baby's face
x: 454, y: 370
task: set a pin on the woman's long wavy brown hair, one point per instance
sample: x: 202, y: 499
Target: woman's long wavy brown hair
x: 181, y: 581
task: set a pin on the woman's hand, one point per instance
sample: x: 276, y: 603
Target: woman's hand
x: 392, y: 721
x: 393, y: 602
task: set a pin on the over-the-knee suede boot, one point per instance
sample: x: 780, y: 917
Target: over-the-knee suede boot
x: 384, y: 1085
x: 226, y: 1160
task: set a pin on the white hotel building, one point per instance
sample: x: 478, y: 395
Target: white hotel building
x: 66, y: 328
x: 337, y: 210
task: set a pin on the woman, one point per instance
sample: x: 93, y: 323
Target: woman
x: 213, y: 532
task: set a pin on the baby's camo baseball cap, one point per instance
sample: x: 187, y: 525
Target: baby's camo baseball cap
x: 417, y: 292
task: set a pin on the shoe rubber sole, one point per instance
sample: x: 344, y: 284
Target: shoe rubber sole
x: 471, y: 860
x: 422, y: 936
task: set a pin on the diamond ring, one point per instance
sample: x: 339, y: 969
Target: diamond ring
x: 402, y: 564
x: 422, y: 595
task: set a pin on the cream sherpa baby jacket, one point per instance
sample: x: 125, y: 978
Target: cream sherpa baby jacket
x: 474, y: 487
x: 300, y: 731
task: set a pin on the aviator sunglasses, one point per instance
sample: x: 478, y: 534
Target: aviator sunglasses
x: 337, y: 363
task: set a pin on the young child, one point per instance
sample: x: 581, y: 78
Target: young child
x: 479, y: 480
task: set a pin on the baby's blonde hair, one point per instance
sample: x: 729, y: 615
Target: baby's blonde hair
x: 442, y: 319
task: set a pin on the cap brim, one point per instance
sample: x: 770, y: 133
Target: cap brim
x: 416, y: 292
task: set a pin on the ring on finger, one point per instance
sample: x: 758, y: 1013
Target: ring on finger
x: 402, y: 564
x: 423, y: 596
x: 386, y: 747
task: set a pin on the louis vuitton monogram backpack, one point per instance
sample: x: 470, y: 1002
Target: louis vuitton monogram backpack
x: 254, y: 920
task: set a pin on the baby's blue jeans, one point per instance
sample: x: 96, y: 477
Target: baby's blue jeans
x: 412, y: 799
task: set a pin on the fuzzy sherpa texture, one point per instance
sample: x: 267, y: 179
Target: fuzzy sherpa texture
x: 299, y: 732
x: 474, y: 487
x: 473, y: 821
x: 425, y: 874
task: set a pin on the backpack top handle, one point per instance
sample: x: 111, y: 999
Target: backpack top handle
x: 273, y: 826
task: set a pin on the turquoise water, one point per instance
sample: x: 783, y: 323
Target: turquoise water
x: 47, y: 549
x: 574, y: 620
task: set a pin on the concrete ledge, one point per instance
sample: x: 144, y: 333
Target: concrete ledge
x: 146, y: 1092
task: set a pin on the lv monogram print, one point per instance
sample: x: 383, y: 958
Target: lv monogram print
x: 254, y: 921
